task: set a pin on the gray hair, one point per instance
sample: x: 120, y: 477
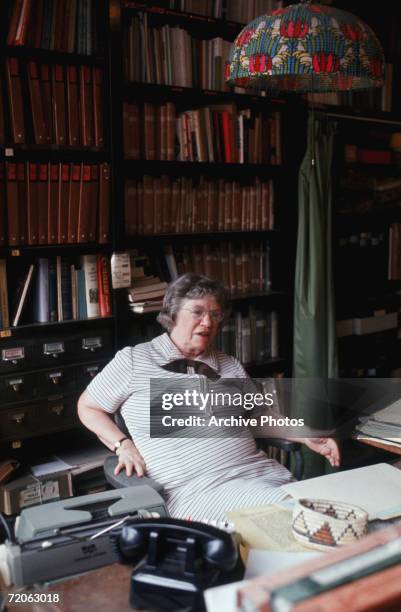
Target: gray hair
x: 189, y: 286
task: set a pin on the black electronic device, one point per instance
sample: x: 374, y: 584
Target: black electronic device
x: 176, y: 561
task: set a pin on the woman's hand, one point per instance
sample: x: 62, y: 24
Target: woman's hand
x: 327, y: 447
x: 130, y: 459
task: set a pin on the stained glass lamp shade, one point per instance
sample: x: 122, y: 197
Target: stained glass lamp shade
x: 306, y: 48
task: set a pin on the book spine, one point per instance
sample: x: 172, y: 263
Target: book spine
x: 89, y: 266
x: 103, y: 279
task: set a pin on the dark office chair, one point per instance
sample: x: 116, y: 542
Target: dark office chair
x: 122, y: 480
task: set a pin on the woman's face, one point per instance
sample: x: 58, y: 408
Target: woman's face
x: 196, y: 325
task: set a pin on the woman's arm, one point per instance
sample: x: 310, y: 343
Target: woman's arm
x: 101, y: 423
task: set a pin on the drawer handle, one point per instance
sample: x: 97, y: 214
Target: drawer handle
x: 18, y: 418
x: 58, y: 410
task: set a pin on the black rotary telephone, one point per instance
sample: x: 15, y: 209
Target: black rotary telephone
x: 176, y: 561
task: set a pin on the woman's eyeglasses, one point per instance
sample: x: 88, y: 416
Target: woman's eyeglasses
x: 198, y: 314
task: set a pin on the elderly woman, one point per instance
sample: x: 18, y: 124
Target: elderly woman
x: 203, y: 478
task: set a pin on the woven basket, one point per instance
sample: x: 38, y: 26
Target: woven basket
x: 325, y: 524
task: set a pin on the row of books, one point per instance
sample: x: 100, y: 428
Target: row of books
x: 378, y: 98
x: 57, y: 25
x: 54, y: 203
x: 251, y: 337
x: 65, y: 104
x: 217, y: 133
x: 58, y: 289
x: 243, y: 268
x: 157, y: 205
x: 172, y: 56
x: 232, y: 10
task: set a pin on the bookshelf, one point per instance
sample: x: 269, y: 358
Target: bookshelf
x: 161, y: 96
x: 56, y: 222
x: 367, y: 243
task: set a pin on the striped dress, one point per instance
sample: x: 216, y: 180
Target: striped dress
x: 203, y: 477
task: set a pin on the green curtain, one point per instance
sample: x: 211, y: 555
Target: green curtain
x: 315, y: 348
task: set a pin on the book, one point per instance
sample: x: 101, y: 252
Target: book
x: 63, y: 203
x: 103, y: 281
x: 4, y: 313
x: 104, y: 203
x: 74, y: 202
x: 365, y: 572
x: 39, y: 124
x: 59, y: 109
x: 53, y: 202
x: 32, y: 203
x: 42, y: 203
x: 86, y: 206
x: 22, y: 296
x: 47, y: 102
x: 15, y: 100
x: 150, y: 306
x: 89, y: 266
x: 41, y: 297
x: 86, y: 97
x: 64, y: 292
x: 98, y: 107
x: 73, y: 107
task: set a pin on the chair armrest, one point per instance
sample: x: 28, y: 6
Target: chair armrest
x: 285, y: 445
x: 122, y: 480
x: 289, y: 447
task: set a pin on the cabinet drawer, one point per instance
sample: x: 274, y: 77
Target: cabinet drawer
x: 57, y: 414
x: 18, y: 422
x: 87, y: 372
x: 28, y: 420
x: 17, y: 387
x: 55, y: 349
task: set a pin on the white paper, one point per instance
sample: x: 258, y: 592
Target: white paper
x: 375, y: 488
x: 50, y: 467
x: 268, y: 562
x: 223, y: 598
x: 120, y: 270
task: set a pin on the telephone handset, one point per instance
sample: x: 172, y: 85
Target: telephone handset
x: 177, y: 560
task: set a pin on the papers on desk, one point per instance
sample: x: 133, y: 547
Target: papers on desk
x: 382, y: 426
x: 51, y: 466
x: 375, y: 488
x: 266, y: 527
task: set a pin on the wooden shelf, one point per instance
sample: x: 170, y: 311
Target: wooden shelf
x: 181, y: 168
x: 21, y: 331
x: 39, y: 153
x: 49, y: 56
x: 351, y: 113
x: 54, y: 249
x: 175, y: 93
x: 212, y: 236
x: 219, y: 27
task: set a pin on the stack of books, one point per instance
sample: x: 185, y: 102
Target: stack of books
x: 146, y: 294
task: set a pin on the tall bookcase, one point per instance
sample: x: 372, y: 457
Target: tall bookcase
x: 367, y: 246
x: 57, y: 227
x: 198, y: 242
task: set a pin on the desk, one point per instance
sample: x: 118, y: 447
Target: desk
x: 391, y: 448
x: 103, y: 590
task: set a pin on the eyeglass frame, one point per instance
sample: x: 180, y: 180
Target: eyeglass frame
x: 211, y: 313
